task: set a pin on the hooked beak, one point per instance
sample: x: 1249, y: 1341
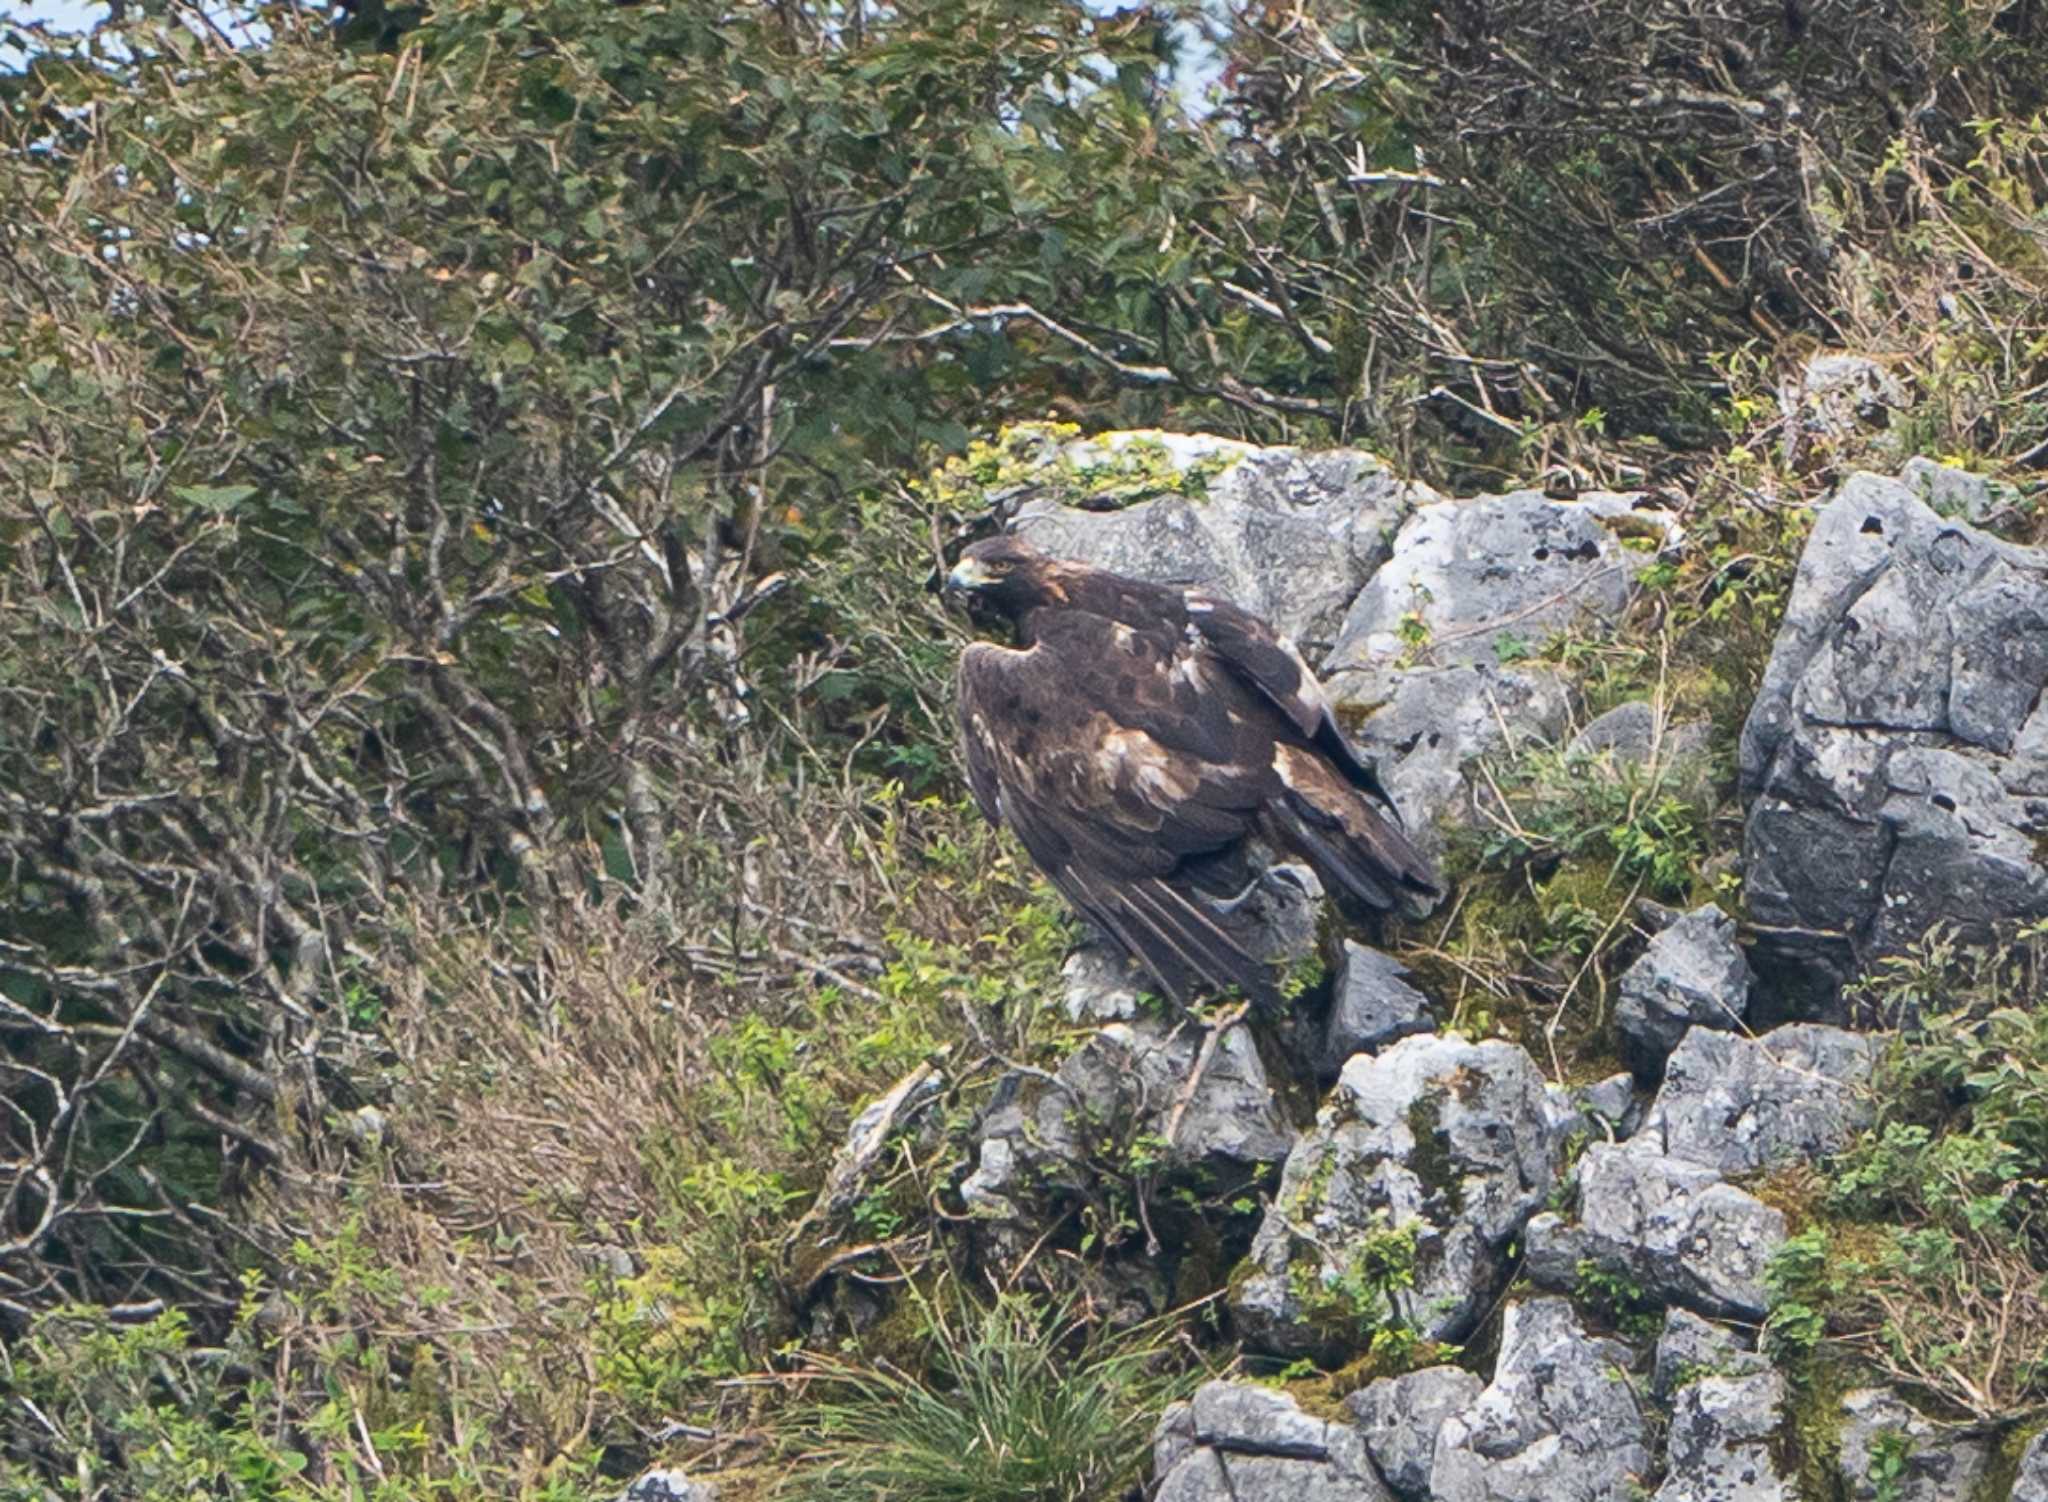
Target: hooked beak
x: 968, y: 574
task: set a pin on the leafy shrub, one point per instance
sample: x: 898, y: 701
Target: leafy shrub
x: 1930, y: 1255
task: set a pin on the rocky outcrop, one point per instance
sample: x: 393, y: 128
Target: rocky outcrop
x: 1693, y: 974
x: 1428, y: 1158
x: 2030, y: 1483
x: 1432, y: 653
x: 1742, y: 1104
x: 1237, y: 1442
x: 1560, y: 1419
x: 1127, y: 1080
x: 1837, y: 397
x: 1371, y: 1006
x: 1890, y: 1453
x: 1288, y: 534
x: 1658, y: 1210
x: 1721, y: 1446
x: 1691, y: 1348
x: 1672, y: 1228
x: 1896, y: 758
x: 1401, y: 1417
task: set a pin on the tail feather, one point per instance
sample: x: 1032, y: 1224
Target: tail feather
x: 1355, y: 848
x: 1181, y: 941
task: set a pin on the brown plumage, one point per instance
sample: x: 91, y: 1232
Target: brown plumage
x: 1138, y: 735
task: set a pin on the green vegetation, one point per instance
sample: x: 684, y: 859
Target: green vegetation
x: 1927, y: 1255
x: 1018, y: 1404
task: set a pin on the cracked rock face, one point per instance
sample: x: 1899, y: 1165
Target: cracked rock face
x: 1672, y: 1227
x: 1127, y: 1079
x: 1289, y: 535
x: 1236, y: 1442
x: 1371, y: 1007
x: 1559, y: 1422
x: 1431, y: 651
x: 1400, y: 1418
x: 1441, y: 1142
x: 2031, y: 1481
x: 1939, y: 1465
x: 1691, y: 1348
x: 1693, y: 974
x: 1896, y: 758
x: 1720, y: 1444
x: 1742, y: 1104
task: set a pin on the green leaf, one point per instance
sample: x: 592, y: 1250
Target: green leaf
x: 218, y: 499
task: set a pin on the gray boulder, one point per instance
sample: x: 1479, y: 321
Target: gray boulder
x: 1610, y: 1108
x: 1890, y: 1453
x: 1635, y: 734
x: 1673, y: 1228
x: 1040, y: 1134
x: 1742, y: 1104
x: 1371, y: 1006
x: 1238, y: 1442
x: 1691, y: 1348
x: 1896, y: 757
x: 2030, y: 1484
x: 1720, y: 1449
x: 1839, y: 396
x: 1444, y: 1144
x: 1400, y: 1418
x: 1101, y: 985
x: 1424, y: 726
x: 1558, y: 1423
x: 669, y: 1486
x: 1956, y: 492
x: 1290, y: 535
x: 1431, y: 652
x: 1486, y: 579
x: 1692, y: 974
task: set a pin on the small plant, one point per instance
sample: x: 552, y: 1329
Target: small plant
x: 1617, y: 1298
x: 1018, y: 1403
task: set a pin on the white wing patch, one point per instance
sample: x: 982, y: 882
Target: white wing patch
x: 1133, y: 758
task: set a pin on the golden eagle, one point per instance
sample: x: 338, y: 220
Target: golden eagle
x: 1138, y: 735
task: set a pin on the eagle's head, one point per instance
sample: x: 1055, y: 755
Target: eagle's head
x: 1005, y: 576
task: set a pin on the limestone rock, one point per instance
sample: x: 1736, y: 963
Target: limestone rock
x: 1400, y: 1418
x: 1672, y: 1227
x: 2031, y: 1482
x: 1956, y: 492
x: 1481, y: 580
x: 1438, y: 1139
x: 1610, y: 1107
x: 1558, y: 1422
x: 1371, y: 1006
x: 1896, y: 757
x: 1691, y: 1348
x: 1430, y: 656
x: 1935, y: 1463
x: 1840, y: 396
x: 1424, y: 726
x: 1692, y: 974
x: 1742, y: 1104
x: 669, y: 1486
x: 1634, y: 733
x: 1289, y: 534
x: 1238, y: 1442
x: 1721, y: 1441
